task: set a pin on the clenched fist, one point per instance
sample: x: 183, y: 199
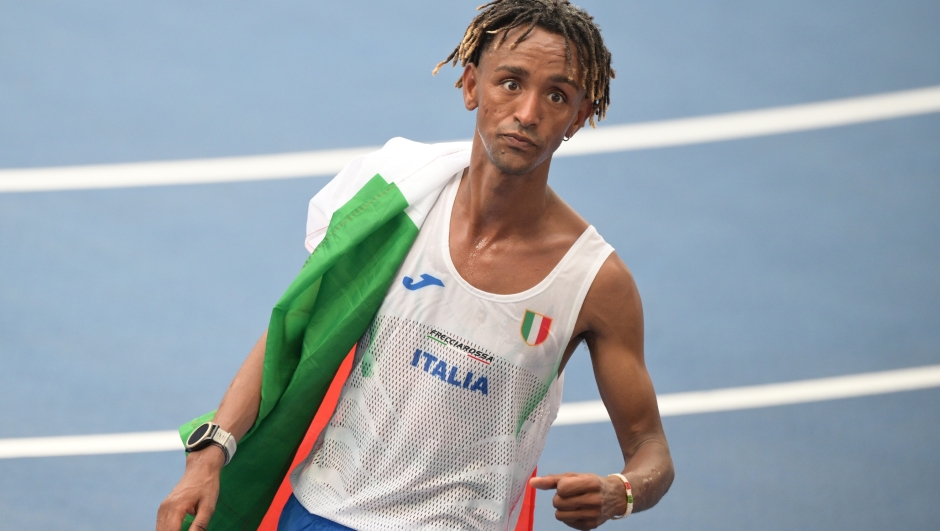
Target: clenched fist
x: 584, y: 501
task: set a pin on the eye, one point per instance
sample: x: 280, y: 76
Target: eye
x: 557, y: 97
x: 511, y: 84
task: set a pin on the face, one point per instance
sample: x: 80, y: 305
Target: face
x: 526, y: 99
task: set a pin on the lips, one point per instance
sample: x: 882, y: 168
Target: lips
x: 518, y: 141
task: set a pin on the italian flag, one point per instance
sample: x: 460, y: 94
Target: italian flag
x: 535, y: 327
x: 359, y: 230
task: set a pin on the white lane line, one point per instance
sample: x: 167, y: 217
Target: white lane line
x: 761, y: 122
x: 606, y: 139
x: 757, y: 396
x: 734, y: 398
x: 107, y: 443
x: 195, y: 171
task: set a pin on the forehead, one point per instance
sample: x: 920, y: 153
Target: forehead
x: 541, y: 52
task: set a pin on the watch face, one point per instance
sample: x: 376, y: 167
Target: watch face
x: 198, y: 434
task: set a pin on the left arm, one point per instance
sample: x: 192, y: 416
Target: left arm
x: 611, y: 321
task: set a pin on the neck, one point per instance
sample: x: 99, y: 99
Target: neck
x: 492, y: 204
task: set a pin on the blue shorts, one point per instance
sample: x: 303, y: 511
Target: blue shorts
x: 295, y: 517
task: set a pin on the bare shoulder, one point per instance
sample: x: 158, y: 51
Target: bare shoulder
x: 615, y: 275
x: 612, y: 307
x: 612, y: 313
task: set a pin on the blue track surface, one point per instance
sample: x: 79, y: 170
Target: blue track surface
x: 763, y: 260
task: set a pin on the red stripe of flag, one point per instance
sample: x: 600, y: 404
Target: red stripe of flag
x: 320, y: 420
x: 543, y: 329
x: 527, y: 515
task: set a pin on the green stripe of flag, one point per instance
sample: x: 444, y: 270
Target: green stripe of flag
x: 322, y: 314
x: 527, y: 324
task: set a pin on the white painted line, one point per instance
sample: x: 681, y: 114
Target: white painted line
x: 757, y: 396
x: 197, y: 171
x: 606, y: 139
x: 762, y: 122
x: 734, y: 398
x: 108, y: 443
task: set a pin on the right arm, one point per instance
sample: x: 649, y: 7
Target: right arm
x: 198, y: 490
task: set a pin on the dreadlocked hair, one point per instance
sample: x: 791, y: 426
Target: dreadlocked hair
x: 560, y: 17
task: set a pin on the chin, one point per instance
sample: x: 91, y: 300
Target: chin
x: 511, y: 164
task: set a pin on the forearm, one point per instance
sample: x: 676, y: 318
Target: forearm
x: 650, y: 472
x: 239, y: 407
x: 198, y: 491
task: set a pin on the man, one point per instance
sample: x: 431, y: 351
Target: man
x: 458, y: 375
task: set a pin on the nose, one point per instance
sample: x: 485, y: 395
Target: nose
x: 528, y: 110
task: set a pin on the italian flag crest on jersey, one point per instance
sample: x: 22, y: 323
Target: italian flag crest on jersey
x: 535, y: 327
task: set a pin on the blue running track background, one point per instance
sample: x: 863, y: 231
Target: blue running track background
x: 763, y: 260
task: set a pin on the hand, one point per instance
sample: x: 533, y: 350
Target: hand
x: 195, y: 494
x: 584, y: 501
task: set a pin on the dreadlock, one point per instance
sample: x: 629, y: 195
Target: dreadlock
x: 556, y: 16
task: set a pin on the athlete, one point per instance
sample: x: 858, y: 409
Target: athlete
x: 459, y: 376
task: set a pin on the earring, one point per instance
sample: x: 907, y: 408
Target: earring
x: 565, y: 138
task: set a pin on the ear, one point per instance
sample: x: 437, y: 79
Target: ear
x: 469, y: 79
x: 584, y: 112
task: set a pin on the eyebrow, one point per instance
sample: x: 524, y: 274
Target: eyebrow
x: 558, y: 78
x: 523, y: 73
x: 514, y: 70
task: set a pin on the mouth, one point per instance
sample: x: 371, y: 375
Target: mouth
x: 518, y: 141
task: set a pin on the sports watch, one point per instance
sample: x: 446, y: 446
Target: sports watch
x: 208, y: 434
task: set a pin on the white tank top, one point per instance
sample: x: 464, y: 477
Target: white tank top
x: 451, y: 396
